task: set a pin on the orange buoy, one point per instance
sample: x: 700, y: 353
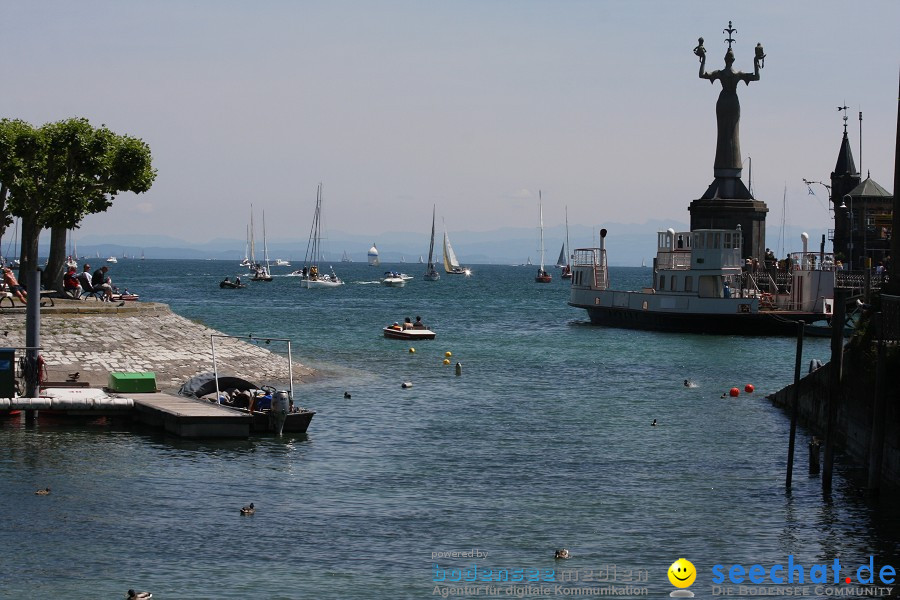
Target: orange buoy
x: 735, y: 392
x: 749, y: 388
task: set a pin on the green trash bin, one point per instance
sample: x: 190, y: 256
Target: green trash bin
x: 133, y: 383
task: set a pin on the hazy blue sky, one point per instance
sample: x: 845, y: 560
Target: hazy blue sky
x: 472, y: 105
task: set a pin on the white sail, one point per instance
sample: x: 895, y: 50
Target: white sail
x: 431, y: 273
x: 450, y: 261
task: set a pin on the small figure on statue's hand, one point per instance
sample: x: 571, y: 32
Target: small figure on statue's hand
x: 699, y: 50
x: 760, y: 58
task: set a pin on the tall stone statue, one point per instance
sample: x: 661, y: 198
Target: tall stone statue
x: 728, y: 108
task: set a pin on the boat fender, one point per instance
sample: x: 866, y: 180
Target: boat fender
x: 406, y: 384
x: 458, y: 368
x: 446, y: 361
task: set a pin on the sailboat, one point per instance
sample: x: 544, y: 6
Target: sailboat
x: 72, y: 259
x: 422, y: 262
x: 431, y: 273
x: 346, y: 257
x: 374, y: 261
x: 566, y: 269
x: 451, y: 264
x: 246, y: 261
x: 311, y: 277
x: 260, y: 272
x: 542, y: 275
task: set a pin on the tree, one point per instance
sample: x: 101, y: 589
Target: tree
x: 62, y: 172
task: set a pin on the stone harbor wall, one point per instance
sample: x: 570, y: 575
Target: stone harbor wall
x: 96, y: 338
x: 854, y: 415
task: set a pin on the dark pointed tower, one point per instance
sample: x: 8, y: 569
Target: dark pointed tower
x: 844, y: 179
x: 727, y: 202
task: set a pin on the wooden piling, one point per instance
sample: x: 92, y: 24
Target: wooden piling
x: 814, y: 446
x: 835, y: 394
x: 876, y: 445
x: 796, y: 402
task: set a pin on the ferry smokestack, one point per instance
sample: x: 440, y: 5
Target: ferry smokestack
x: 602, y: 240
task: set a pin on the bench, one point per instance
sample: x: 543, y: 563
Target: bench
x: 7, y: 299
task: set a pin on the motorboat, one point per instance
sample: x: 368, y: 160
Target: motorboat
x: 397, y: 332
x: 702, y: 285
x: 112, y: 259
x: 233, y: 285
x: 272, y: 410
x: 393, y: 279
x: 280, y: 262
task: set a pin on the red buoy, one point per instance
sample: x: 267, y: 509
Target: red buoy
x: 749, y: 388
x: 735, y: 392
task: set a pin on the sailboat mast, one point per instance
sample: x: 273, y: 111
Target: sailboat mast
x: 567, y: 234
x: 265, y: 244
x: 541, y: 205
x: 252, y: 240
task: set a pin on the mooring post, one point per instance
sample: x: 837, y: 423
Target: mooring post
x: 795, y: 401
x: 32, y: 336
x: 876, y: 447
x: 814, y: 445
x: 835, y: 392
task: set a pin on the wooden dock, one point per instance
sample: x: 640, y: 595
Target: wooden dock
x: 178, y: 415
x: 190, y: 418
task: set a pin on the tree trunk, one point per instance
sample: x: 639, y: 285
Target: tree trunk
x: 4, y: 192
x: 28, y: 253
x: 52, y: 278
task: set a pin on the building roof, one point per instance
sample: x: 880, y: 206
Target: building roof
x: 869, y: 189
x: 845, y: 164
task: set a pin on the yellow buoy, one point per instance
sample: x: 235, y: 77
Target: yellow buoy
x: 446, y: 361
x: 412, y: 350
x: 448, y: 354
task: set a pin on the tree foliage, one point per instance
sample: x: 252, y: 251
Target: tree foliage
x: 61, y: 172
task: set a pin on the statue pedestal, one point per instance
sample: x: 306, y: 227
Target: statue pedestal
x: 726, y: 204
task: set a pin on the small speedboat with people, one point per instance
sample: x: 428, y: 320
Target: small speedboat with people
x: 393, y: 279
x: 409, y: 330
x: 228, y: 284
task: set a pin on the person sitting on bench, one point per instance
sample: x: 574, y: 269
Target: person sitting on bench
x: 84, y: 278
x: 70, y: 283
x: 13, y: 283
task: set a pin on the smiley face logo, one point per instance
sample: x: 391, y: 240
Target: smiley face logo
x: 682, y: 573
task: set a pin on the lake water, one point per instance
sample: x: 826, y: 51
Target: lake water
x: 543, y: 442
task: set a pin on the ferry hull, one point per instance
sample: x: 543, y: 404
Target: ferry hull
x: 749, y: 324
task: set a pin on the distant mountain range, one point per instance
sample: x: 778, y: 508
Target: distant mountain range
x: 627, y: 245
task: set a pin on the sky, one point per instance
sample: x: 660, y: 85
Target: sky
x: 471, y: 105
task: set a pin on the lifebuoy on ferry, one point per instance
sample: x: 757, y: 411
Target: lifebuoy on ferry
x: 767, y: 300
